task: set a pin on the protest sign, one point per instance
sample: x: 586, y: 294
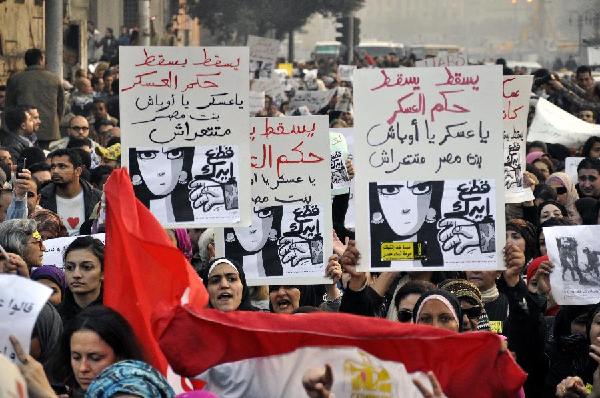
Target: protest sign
x: 290, y: 236
x: 571, y: 164
x: 552, y: 124
x: 459, y: 59
x: 345, y: 72
x: 184, y: 116
x: 314, y: 100
x: 287, y: 67
x: 263, y: 54
x: 344, y: 99
x: 340, y: 180
x: 574, y: 251
x: 349, y: 135
x: 21, y: 300
x: 272, y: 87
x: 55, y: 249
x: 516, y: 91
x: 429, y: 192
x: 257, y: 101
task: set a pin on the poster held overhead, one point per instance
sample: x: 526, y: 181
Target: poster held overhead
x: 574, y: 251
x: 290, y: 234
x: 516, y: 91
x: 185, y: 117
x: 429, y: 191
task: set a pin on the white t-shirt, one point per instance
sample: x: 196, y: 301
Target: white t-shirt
x: 71, y: 212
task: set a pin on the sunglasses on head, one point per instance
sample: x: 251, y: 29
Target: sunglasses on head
x: 404, y: 315
x: 472, y: 313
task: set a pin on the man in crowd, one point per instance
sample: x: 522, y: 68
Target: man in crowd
x: 41, y: 89
x: 588, y: 175
x: 71, y: 197
x: 18, y: 128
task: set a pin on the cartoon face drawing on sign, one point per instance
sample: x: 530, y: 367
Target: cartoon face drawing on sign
x: 160, y: 177
x: 405, y: 211
x: 256, y: 246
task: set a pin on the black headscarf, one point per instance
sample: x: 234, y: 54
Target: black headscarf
x: 448, y: 297
x: 245, y: 304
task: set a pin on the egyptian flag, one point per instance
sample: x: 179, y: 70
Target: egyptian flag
x: 143, y: 270
x: 253, y: 354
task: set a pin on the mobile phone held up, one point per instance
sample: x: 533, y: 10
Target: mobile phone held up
x: 21, y: 164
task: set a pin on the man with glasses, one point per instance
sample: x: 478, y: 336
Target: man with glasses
x: 79, y: 127
x: 588, y: 176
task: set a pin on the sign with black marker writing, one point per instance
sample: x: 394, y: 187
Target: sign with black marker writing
x: 290, y: 235
x: 429, y: 191
x: 185, y: 117
x: 263, y: 54
x: 21, y: 300
x: 516, y: 91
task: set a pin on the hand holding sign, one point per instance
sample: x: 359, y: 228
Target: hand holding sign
x: 206, y: 195
x: 33, y: 372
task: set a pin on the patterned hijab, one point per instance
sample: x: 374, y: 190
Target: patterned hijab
x: 49, y: 224
x: 130, y: 377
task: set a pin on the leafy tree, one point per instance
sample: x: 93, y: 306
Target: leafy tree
x: 231, y: 21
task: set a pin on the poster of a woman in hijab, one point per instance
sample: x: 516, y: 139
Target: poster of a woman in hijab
x: 186, y: 184
x: 431, y: 223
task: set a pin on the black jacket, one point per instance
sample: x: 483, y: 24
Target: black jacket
x: 14, y: 143
x: 91, y: 196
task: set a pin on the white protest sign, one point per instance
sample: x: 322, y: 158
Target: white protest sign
x: 272, y: 87
x: 552, y: 124
x: 314, y: 100
x: 571, y: 164
x: 430, y: 188
x: 345, y: 72
x: 574, y: 251
x: 348, y: 133
x: 340, y: 180
x: 21, y: 300
x: 263, y: 55
x: 459, y: 59
x: 344, y: 99
x: 184, y: 115
x: 290, y: 236
x: 257, y: 101
x: 55, y: 249
x: 516, y: 91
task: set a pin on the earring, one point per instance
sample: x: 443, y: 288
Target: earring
x: 229, y: 238
x: 273, y: 235
x: 136, y: 179
x: 377, y: 218
x: 431, y: 215
x: 183, y: 177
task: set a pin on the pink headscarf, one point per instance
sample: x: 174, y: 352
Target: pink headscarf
x: 533, y: 156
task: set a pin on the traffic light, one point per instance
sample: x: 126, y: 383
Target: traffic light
x: 356, y: 33
x: 343, y: 29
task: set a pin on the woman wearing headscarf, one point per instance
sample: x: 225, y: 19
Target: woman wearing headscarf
x: 438, y: 308
x: 130, y: 378
x: 49, y: 224
x: 226, y: 285
x: 469, y: 296
x: 566, y: 192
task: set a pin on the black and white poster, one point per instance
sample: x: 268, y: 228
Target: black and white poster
x: 432, y: 223
x: 574, y: 251
x: 291, y: 231
x: 185, y: 118
x: 430, y: 181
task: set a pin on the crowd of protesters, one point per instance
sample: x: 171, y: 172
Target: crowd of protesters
x: 61, y: 140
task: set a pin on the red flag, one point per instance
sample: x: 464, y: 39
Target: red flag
x: 143, y: 270
x: 467, y: 364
